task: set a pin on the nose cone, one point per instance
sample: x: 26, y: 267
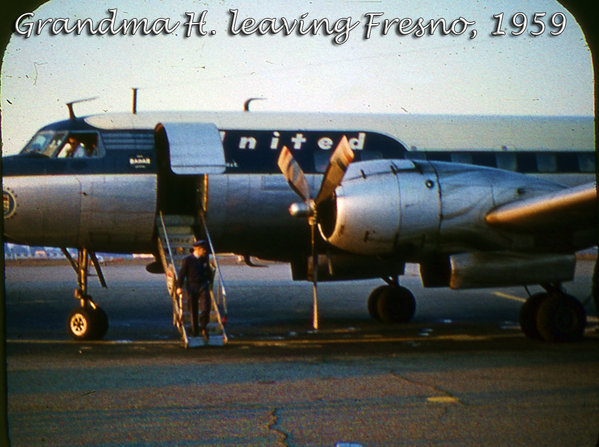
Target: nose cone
x: 9, y: 197
x: 39, y: 209
x: 10, y: 206
x: 18, y: 222
x: 10, y: 203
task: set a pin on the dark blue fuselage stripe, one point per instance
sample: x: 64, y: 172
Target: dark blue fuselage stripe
x: 255, y: 152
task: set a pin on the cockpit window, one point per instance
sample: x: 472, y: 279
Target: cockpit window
x: 64, y: 144
x: 45, y: 143
x: 79, y: 145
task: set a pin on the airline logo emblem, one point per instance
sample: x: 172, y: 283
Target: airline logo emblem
x: 10, y: 203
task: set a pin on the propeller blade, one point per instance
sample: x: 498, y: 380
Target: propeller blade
x: 312, y: 222
x: 338, y: 164
x: 293, y: 174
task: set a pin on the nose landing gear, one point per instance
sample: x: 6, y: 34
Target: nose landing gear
x: 87, y: 321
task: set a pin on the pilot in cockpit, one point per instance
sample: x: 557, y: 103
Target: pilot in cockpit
x: 78, y: 146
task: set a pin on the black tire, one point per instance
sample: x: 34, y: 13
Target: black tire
x: 86, y: 323
x: 373, y: 300
x: 528, y: 315
x: 101, y: 323
x: 561, y: 318
x: 396, y: 305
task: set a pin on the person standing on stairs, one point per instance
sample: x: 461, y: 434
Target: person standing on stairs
x: 196, y: 269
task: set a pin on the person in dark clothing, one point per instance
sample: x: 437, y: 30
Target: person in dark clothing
x: 196, y: 269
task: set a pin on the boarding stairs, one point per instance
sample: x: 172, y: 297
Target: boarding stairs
x: 176, y: 236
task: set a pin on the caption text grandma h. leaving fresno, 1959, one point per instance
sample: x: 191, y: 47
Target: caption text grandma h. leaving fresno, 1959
x: 339, y: 29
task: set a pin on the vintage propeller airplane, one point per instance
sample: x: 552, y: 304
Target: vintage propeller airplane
x: 476, y: 201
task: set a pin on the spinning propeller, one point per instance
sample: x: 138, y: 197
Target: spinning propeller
x: 338, y: 164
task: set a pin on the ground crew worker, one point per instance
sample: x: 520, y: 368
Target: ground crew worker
x: 196, y: 269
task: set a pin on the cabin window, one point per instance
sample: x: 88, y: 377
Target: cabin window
x: 438, y: 156
x: 460, y: 157
x: 546, y: 162
x: 586, y: 162
x: 527, y: 163
x: 370, y: 155
x: 506, y: 161
x: 413, y: 155
x: 484, y: 159
x: 321, y: 161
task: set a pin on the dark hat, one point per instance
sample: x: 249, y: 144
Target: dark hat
x: 201, y: 243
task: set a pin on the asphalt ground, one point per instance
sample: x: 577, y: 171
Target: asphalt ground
x: 461, y: 373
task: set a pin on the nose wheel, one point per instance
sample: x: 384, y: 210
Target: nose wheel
x: 87, y: 321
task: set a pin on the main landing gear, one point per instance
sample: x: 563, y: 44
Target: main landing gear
x: 87, y: 321
x: 391, y: 303
x: 553, y: 316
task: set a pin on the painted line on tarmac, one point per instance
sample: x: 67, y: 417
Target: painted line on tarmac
x: 509, y: 297
x: 332, y: 341
x: 92, y: 342
x: 443, y: 400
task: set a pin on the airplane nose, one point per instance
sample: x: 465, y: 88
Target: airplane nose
x: 41, y: 210
x: 10, y: 203
x: 12, y: 226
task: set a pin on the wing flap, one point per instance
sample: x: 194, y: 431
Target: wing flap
x: 576, y: 206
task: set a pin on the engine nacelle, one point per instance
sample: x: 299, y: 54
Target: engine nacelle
x: 382, y: 204
x: 418, y: 208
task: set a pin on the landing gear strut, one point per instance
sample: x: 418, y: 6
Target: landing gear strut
x: 391, y: 303
x: 553, y: 316
x: 87, y: 321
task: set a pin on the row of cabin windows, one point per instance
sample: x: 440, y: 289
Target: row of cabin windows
x: 534, y: 162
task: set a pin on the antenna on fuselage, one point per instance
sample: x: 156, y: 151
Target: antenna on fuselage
x: 246, y: 104
x: 134, y: 105
x: 70, y: 106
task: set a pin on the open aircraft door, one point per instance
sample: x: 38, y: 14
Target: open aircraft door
x: 186, y: 151
x: 194, y: 148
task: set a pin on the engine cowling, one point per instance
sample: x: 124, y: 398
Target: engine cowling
x: 417, y: 208
x: 382, y: 204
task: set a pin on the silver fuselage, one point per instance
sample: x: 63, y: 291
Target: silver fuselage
x: 109, y: 202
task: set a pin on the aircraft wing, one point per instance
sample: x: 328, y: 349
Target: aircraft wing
x: 574, y: 207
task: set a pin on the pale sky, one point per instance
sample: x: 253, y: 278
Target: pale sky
x: 488, y: 75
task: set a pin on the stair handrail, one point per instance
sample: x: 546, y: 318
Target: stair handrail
x: 177, y: 300
x: 218, y: 270
x: 168, y: 245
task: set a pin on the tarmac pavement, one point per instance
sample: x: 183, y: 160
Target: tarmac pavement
x: 460, y: 374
